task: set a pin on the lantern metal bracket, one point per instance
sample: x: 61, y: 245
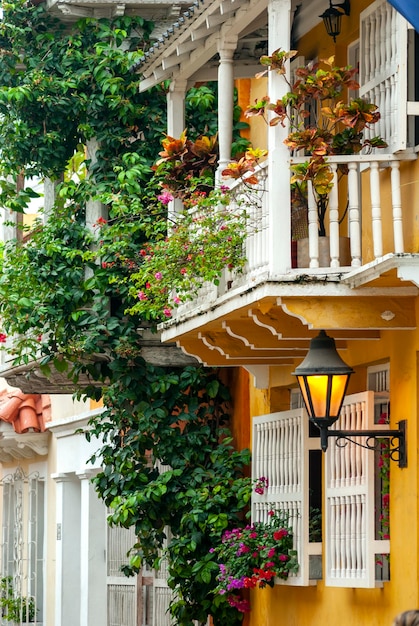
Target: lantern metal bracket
x: 371, y: 440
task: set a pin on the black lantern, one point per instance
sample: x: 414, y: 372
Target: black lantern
x: 332, y: 17
x: 323, y: 379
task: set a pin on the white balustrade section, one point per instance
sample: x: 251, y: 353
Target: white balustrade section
x: 364, y: 211
x: 366, y: 195
x: 254, y: 201
x: 281, y: 455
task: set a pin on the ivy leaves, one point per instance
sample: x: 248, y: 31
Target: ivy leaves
x: 168, y: 459
x: 169, y: 463
x: 60, y: 88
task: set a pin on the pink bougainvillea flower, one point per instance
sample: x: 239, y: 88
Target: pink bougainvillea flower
x: 167, y: 312
x: 165, y: 197
x: 141, y: 295
x: 177, y: 300
x: 158, y: 275
x: 183, y: 270
x: 3, y: 338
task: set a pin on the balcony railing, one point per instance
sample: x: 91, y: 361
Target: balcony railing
x: 368, y: 217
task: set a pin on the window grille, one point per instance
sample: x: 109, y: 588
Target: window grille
x: 22, y: 542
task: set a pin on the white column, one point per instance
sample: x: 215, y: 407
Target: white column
x: 50, y: 192
x: 67, y: 581
x: 279, y: 197
x: 175, y: 126
x: 226, y: 49
x: 176, y: 108
x: 93, y: 590
x: 94, y: 208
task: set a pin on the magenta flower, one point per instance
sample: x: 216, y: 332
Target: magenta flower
x: 141, y: 295
x: 165, y: 197
x: 167, y: 312
x: 158, y: 275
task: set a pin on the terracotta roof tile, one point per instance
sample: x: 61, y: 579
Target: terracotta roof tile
x: 25, y: 411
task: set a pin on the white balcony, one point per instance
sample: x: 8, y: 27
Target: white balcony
x: 370, y: 224
x: 367, y: 282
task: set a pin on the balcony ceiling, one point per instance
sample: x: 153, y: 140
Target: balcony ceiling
x: 260, y: 329
x: 162, y: 12
x: 188, y: 48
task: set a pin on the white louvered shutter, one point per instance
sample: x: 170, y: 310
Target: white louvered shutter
x: 121, y: 591
x: 281, y: 454
x: 350, y: 518
x: 383, y: 71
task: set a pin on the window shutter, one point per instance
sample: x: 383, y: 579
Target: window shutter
x: 121, y: 591
x: 350, y: 516
x: 383, y: 71
x: 281, y: 454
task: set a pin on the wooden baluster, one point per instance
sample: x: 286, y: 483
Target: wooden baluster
x: 313, y: 228
x: 358, y: 468
x: 352, y: 536
x: 354, y: 215
x: 366, y: 60
x: 377, y: 236
x: 342, y: 525
x: 281, y: 480
x: 347, y: 479
x: 397, y: 208
x: 358, y: 536
x: 275, y: 460
x: 334, y: 219
x: 332, y: 547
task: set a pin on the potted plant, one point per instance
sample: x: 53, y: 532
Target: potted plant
x: 323, y: 121
x: 254, y: 556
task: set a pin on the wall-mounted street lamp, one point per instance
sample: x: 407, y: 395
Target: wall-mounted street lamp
x: 332, y: 17
x: 323, y: 378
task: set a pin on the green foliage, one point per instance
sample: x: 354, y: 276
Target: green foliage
x: 15, y: 608
x: 65, y: 288
x: 176, y: 420
x: 254, y: 556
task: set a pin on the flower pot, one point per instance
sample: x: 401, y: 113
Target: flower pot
x: 303, y: 259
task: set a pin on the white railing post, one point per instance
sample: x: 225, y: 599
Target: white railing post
x: 313, y: 227
x: 354, y: 215
x: 397, y: 207
x: 377, y: 237
x: 334, y: 219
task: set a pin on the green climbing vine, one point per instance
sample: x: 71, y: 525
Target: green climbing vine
x: 65, y: 288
